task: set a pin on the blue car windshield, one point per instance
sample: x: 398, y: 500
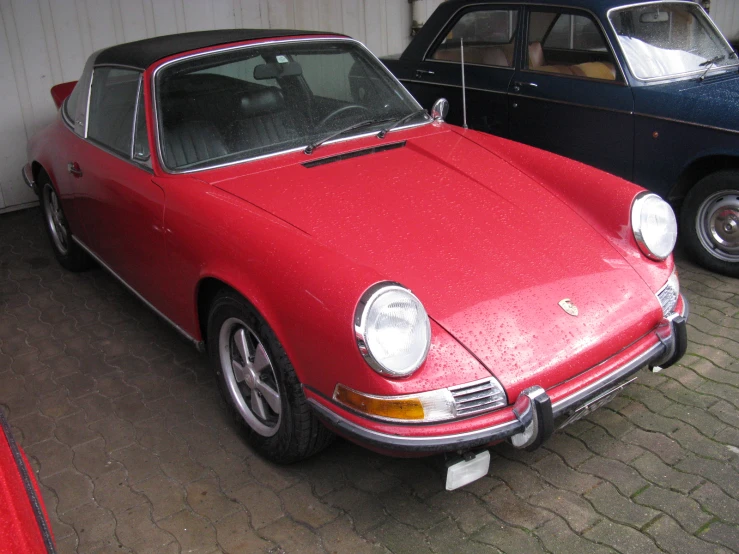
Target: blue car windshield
x: 663, y: 40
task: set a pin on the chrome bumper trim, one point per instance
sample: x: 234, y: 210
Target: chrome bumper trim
x: 461, y: 441
x: 28, y: 180
x: 523, y: 409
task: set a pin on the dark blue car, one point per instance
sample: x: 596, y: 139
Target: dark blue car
x: 648, y: 91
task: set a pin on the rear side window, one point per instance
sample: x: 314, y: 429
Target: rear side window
x: 488, y: 38
x: 568, y: 45
x: 112, y: 106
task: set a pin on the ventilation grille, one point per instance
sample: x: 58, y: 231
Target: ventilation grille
x: 355, y: 154
x: 477, y: 397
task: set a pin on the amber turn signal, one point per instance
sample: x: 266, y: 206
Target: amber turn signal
x: 407, y: 408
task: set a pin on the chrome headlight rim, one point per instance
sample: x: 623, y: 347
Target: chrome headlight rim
x: 637, y: 207
x: 361, y: 313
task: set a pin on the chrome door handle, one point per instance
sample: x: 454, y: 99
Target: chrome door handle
x: 422, y: 72
x: 74, y: 169
x: 518, y: 85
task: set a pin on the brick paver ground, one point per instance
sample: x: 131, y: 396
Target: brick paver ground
x: 134, y: 453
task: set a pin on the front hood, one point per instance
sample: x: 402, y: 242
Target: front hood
x: 488, y: 251
x: 713, y: 102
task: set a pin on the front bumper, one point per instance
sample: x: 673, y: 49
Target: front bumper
x: 28, y: 178
x: 532, y: 417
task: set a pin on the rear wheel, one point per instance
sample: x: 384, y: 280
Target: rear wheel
x: 259, y: 383
x: 69, y: 254
x: 710, y: 222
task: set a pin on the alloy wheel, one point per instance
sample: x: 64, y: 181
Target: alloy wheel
x: 250, y: 377
x: 55, y: 220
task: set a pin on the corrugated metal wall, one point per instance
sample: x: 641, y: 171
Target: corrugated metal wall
x: 45, y: 42
x: 726, y: 15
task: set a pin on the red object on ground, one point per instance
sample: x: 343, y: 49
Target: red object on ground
x: 24, y: 525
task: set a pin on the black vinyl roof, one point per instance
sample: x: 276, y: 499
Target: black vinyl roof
x: 143, y: 53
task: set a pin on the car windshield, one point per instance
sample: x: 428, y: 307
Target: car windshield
x: 248, y: 102
x: 663, y: 40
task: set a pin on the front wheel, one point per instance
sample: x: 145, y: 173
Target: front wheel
x: 710, y: 222
x: 259, y: 383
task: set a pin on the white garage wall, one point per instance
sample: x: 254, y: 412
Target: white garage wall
x: 726, y: 15
x: 46, y: 42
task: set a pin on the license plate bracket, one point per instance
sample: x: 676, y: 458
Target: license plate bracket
x: 597, y: 402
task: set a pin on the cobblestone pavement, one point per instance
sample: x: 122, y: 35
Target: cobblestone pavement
x: 125, y: 428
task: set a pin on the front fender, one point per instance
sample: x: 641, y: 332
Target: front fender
x: 304, y: 290
x: 601, y: 199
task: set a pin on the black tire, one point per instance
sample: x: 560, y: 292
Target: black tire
x: 296, y: 433
x: 67, y: 252
x: 715, y: 247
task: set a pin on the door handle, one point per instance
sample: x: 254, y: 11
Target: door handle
x: 422, y: 72
x: 74, y: 169
x: 518, y: 85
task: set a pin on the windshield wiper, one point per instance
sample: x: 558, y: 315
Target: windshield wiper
x: 708, y: 64
x: 400, y: 121
x: 364, y: 123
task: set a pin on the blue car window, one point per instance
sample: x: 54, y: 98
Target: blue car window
x: 488, y: 35
x: 568, y: 44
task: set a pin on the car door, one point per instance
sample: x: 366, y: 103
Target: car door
x: 122, y: 208
x: 489, y: 35
x: 569, y: 94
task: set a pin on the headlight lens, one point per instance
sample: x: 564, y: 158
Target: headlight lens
x: 654, y: 225
x: 392, y: 330
x: 669, y: 294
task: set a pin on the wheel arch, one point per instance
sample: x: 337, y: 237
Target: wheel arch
x: 697, y: 170
x: 205, y: 292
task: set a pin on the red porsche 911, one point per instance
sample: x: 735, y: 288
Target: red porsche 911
x: 351, y: 263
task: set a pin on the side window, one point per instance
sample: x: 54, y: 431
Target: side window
x: 568, y: 44
x: 489, y: 37
x: 140, y: 138
x: 112, y: 105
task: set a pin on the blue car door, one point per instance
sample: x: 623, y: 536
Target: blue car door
x: 488, y: 36
x: 569, y: 94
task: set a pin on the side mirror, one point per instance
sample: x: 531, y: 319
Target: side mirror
x: 440, y: 109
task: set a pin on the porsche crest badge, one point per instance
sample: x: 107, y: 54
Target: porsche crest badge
x: 567, y: 305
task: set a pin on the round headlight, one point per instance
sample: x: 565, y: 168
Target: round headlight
x: 654, y: 225
x: 392, y: 329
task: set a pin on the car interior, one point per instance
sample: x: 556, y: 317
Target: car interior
x: 558, y: 43
x: 213, y: 112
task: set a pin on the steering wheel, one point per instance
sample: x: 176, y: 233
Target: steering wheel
x: 341, y: 110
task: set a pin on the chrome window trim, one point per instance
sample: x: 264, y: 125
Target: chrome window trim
x: 522, y: 7
x: 260, y: 43
x: 135, y: 114
x: 104, y: 147
x: 65, y: 116
x: 136, y: 293
x: 87, y: 106
x: 677, y: 76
